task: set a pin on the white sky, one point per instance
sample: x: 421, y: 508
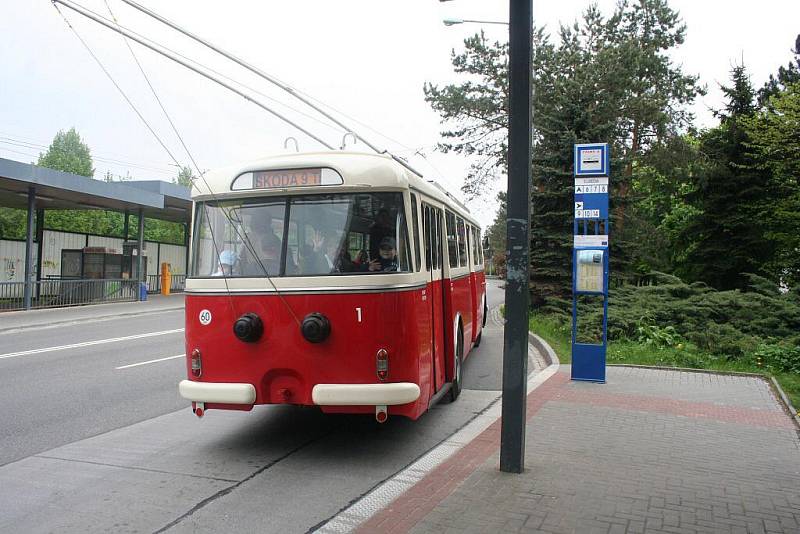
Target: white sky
x: 367, y: 58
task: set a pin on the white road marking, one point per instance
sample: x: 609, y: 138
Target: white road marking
x: 88, y: 343
x: 150, y: 361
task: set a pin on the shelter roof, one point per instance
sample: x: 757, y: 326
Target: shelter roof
x: 63, y: 190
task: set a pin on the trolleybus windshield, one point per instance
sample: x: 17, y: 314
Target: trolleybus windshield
x: 308, y: 235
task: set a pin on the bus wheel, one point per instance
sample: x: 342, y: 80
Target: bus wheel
x: 480, y: 334
x: 455, y: 388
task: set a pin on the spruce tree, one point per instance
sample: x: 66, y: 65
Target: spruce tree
x: 727, y: 239
x: 606, y: 80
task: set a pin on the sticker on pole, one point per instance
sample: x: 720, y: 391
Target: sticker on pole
x: 205, y: 317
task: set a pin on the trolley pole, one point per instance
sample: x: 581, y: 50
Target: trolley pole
x: 515, y: 347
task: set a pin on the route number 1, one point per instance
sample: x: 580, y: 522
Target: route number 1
x: 358, y: 313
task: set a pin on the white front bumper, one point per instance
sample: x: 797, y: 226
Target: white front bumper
x: 364, y: 394
x: 217, y: 392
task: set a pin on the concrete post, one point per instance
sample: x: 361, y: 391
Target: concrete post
x: 140, y: 255
x: 28, y: 247
x: 39, y: 249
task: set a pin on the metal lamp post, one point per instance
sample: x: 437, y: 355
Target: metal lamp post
x: 515, y: 342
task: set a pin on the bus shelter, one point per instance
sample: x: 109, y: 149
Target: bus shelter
x: 38, y: 189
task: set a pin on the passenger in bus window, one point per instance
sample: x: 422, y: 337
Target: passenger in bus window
x: 361, y: 259
x: 387, y: 257
x: 381, y: 228
x: 329, y: 254
x: 270, y: 254
x: 227, y: 259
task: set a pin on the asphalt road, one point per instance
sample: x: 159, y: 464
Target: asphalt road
x: 87, y: 446
x: 60, y: 396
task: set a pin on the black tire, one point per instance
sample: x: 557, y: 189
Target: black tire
x: 480, y: 334
x: 455, y: 388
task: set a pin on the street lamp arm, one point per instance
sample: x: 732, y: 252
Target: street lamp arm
x: 451, y: 22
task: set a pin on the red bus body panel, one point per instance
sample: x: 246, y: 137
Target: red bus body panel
x: 282, y: 360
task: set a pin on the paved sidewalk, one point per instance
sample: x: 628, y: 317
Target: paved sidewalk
x: 649, y: 451
x: 53, y: 316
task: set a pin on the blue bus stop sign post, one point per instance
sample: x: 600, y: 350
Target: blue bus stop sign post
x: 590, y: 254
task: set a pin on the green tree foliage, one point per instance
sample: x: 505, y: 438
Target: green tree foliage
x: 184, y: 177
x: 496, y: 232
x: 774, y: 140
x: 68, y: 153
x: 786, y: 76
x: 12, y: 223
x: 477, y: 108
x: 727, y: 237
x: 663, y: 181
x: 664, y: 311
x: 606, y: 79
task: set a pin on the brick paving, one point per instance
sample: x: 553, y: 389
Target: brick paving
x: 649, y: 451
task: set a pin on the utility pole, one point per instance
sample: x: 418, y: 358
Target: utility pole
x: 515, y: 347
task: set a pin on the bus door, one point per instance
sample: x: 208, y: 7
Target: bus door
x: 473, y: 281
x: 432, y: 229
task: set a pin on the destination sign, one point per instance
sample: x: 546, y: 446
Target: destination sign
x: 286, y: 179
x: 292, y: 178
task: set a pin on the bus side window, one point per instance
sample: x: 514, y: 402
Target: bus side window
x: 439, y: 242
x: 462, y: 243
x: 452, y: 242
x: 469, y: 243
x: 476, y: 259
x: 437, y: 239
x: 415, y: 222
x: 426, y: 233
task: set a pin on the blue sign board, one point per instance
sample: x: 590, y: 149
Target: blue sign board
x: 591, y: 159
x: 590, y: 261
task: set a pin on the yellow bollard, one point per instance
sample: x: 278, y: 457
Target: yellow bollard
x: 166, y: 278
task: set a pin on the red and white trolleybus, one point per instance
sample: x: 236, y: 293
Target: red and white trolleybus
x: 336, y: 279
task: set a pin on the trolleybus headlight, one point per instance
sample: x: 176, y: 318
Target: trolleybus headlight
x: 197, y: 364
x: 315, y: 328
x: 248, y: 328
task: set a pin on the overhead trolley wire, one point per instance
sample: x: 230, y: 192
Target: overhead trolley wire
x: 243, y: 235
x: 239, y: 232
x: 110, y: 77
x: 161, y: 50
x: 255, y: 70
x: 155, y: 95
x: 221, y: 75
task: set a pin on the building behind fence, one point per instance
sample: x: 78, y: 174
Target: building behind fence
x: 52, y: 290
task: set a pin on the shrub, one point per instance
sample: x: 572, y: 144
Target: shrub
x: 778, y: 357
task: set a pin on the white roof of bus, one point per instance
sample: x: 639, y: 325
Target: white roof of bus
x: 357, y: 168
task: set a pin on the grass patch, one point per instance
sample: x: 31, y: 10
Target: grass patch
x: 556, y: 331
